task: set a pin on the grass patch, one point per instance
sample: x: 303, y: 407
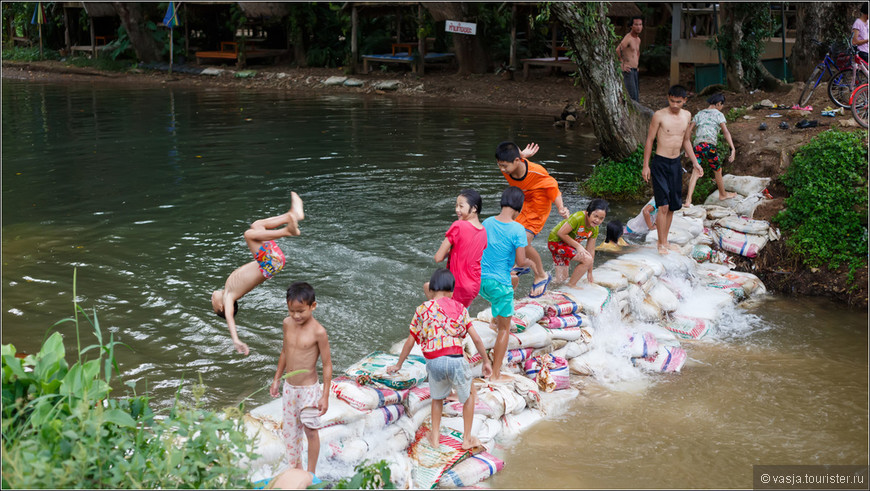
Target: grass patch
x: 100, y: 63
x: 29, y: 53
x: 617, y: 180
x: 826, y: 212
x: 735, y: 113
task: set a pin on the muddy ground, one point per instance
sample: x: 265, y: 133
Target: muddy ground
x: 759, y: 153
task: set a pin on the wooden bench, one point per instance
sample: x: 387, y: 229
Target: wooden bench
x: 561, y: 62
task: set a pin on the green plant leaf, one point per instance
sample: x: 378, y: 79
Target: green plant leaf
x: 119, y: 418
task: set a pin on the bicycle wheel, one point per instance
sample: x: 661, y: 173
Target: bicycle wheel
x: 810, y: 86
x: 860, y: 106
x: 841, y: 85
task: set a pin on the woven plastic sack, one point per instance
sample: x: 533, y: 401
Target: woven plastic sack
x: 745, y: 225
x: 431, y: 463
x: 454, y: 408
x: 526, y: 314
x: 365, y: 397
x: 591, y: 297
x: 572, y: 349
x: 374, y: 366
x: 752, y: 285
x: 702, y: 253
x: 609, y: 278
x: 514, y: 424
x: 471, y: 471
x: 693, y: 212
x: 688, y: 327
x: 664, y: 298
x: 668, y: 359
x: 533, y: 337
x: 515, y: 356
x: 734, y: 289
x: 418, y: 397
x: 745, y: 185
x: 570, y: 320
x: 567, y: 333
x: 642, y: 345
x: 550, y: 372
x: 747, y: 245
x: 381, y: 417
x: 715, y: 212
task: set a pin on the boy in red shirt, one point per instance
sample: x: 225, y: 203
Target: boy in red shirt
x: 541, y: 191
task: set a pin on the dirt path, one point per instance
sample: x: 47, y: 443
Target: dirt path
x: 759, y: 153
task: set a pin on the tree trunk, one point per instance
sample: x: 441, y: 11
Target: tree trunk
x: 823, y: 21
x: 733, y: 66
x: 620, y: 124
x: 146, y: 48
x: 470, y: 53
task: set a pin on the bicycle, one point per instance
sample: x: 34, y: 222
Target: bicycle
x: 828, y: 64
x: 860, y: 104
x: 845, y: 81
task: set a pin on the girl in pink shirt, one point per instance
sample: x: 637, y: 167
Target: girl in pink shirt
x: 464, y: 241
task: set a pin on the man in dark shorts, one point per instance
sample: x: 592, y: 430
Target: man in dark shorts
x: 669, y: 130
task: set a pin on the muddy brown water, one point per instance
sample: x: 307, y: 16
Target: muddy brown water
x: 146, y: 193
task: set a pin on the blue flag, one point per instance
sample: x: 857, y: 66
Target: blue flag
x: 171, y: 18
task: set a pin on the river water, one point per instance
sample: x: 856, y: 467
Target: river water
x: 145, y: 193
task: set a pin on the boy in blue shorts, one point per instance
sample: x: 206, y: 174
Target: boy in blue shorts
x: 506, y: 242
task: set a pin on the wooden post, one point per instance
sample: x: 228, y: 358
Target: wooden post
x: 66, y: 30
x: 93, y: 37
x: 398, y: 25
x: 186, y: 33
x: 513, y: 51
x: 171, y: 49
x: 676, y: 18
x: 354, y: 43
x: 421, y: 41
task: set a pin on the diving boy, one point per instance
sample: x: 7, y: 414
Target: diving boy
x: 268, y: 260
x: 305, y: 340
x: 540, y: 191
x: 669, y: 130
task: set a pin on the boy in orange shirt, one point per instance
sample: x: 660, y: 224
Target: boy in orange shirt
x: 540, y: 191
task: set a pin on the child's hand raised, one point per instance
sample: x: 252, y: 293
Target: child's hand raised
x: 531, y: 149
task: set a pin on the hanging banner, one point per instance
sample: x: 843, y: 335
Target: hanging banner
x: 460, y: 27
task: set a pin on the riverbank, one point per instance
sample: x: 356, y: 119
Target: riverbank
x: 759, y: 153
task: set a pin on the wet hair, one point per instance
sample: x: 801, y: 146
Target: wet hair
x: 300, y: 291
x: 472, y: 197
x: 442, y: 280
x: 634, y: 18
x: 513, y: 197
x: 614, y: 231
x: 678, y: 91
x: 716, y: 98
x: 223, y: 315
x: 507, y: 152
x: 598, y: 204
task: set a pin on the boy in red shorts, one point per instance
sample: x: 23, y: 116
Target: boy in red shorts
x: 540, y: 191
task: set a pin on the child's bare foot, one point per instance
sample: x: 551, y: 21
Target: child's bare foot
x: 500, y: 378
x: 727, y: 195
x: 471, y: 443
x: 433, y: 438
x: 663, y: 249
x: 296, y: 206
x: 687, y: 205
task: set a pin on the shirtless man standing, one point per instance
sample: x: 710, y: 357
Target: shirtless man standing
x: 268, y: 260
x: 669, y: 129
x: 628, y: 53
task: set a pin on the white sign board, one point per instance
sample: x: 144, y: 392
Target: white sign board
x: 460, y: 27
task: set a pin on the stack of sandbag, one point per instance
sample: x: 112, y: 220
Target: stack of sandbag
x: 563, y: 317
x: 684, y: 228
x: 750, y: 193
x: 740, y: 235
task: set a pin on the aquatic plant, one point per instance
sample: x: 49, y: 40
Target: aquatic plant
x: 826, y: 211
x: 617, y: 180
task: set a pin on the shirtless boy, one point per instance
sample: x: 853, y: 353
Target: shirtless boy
x: 628, y: 53
x: 669, y: 129
x: 305, y: 340
x: 268, y: 260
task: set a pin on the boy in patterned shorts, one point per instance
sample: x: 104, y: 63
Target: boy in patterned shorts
x: 707, y: 124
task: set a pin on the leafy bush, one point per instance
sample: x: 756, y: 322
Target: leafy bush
x: 29, y: 53
x: 61, y: 428
x: 617, y: 180
x: 735, y: 113
x: 826, y: 211
x: 101, y: 62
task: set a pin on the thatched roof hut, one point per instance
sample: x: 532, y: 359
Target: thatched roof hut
x: 265, y: 10
x: 623, y: 9
x: 93, y: 9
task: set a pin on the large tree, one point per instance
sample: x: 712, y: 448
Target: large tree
x: 741, y: 39
x: 620, y: 124
x: 824, y: 21
x: 134, y: 21
x: 471, y: 56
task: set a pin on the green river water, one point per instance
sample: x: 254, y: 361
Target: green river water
x: 146, y: 193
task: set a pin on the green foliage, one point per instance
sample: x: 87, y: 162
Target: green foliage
x: 101, y: 62
x: 61, y: 428
x: 735, y: 113
x: 368, y: 476
x: 757, y: 27
x: 617, y: 180
x: 30, y: 53
x: 826, y: 211
x: 656, y: 59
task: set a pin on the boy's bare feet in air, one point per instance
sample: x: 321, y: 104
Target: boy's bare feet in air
x: 295, y: 215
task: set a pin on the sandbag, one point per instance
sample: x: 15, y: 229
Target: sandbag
x: 667, y: 359
x: 648, y: 258
x: 514, y: 424
x: 591, y: 297
x: 498, y: 400
x: 486, y: 333
x: 702, y: 253
x: 572, y: 349
x: 745, y: 185
x: 550, y: 372
x: 707, y: 303
x: 566, y: 333
x: 563, y: 307
x: 432, y: 463
x: 396, y: 348
x: 734, y: 289
x: 642, y: 345
x: 471, y: 471
x: 379, y: 418
x: 609, y: 278
x: 569, y: 320
x: 580, y: 366
x: 454, y: 408
x: 514, y: 356
x: 742, y: 205
x: 752, y: 285
x: 526, y: 314
x: 715, y: 212
x: 676, y: 235
x: 663, y: 298
x: 688, y: 327
x: 747, y: 245
x: 633, y: 271
x: 374, y: 366
x: 743, y: 224
x: 340, y: 412
x: 692, y: 212
x: 365, y: 397
x: 533, y: 337
x: 418, y: 397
